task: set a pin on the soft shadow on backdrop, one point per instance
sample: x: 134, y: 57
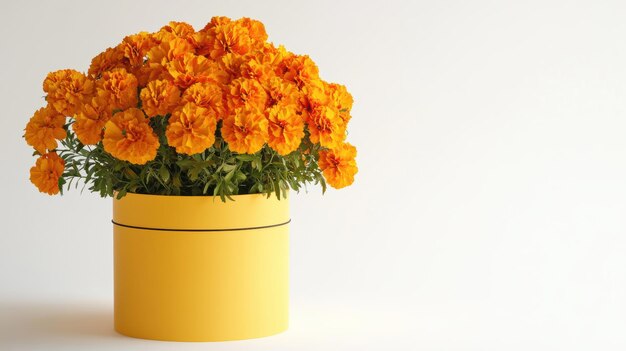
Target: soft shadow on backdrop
x: 488, y: 212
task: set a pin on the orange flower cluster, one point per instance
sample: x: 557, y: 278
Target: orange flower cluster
x: 47, y: 172
x: 129, y: 137
x: 223, y: 79
x: 339, y: 165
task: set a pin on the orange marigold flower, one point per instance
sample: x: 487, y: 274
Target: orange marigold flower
x: 299, y: 69
x: 66, y: 90
x: 278, y: 57
x: 229, y: 37
x: 46, y: 173
x: 208, y: 95
x: 245, y: 131
x: 246, y: 92
x: 326, y: 127
x: 313, y: 95
x: 91, y: 119
x: 282, y: 92
x: 190, y: 69
x: 179, y: 29
x: 170, y: 50
x: 44, y: 128
x: 150, y: 71
x: 191, y: 129
x: 159, y: 97
x: 341, y: 99
x: 165, y: 36
x: 339, y: 165
x: 129, y: 137
x: 136, y: 46
x: 109, y: 59
x: 256, y: 29
x: 201, y: 42
x: 254, y: 68
x: 216, y: 21
x: 231, y: 64
x: 286, y: 129
x: 317, y: 94
x: 122, y: 88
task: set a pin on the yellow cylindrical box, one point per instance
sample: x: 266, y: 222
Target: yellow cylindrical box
x: 194, y: 268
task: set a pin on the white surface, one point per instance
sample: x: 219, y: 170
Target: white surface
x: 488, y: 213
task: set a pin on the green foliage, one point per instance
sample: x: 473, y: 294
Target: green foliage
x: 217, y: 171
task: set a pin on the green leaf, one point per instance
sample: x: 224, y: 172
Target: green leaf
x: 176, y: 182
x: 185, y: 164
x: 130, y: 173
x: 230, y: 175
x: 323, y: 183
x: 276, y: 189
x: 240, y: 176
x: 227, y: 168
x: 121, y: 193
x: 283, y: 185
x: 194, y: 173
x: 164, y: 174
x: 61, y: 183
x: 217, y: 189
x: 245, y: 157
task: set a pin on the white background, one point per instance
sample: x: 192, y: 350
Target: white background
x: 487, y: 214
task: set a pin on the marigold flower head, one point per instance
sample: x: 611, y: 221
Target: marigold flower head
x: 129, y: 137
x: 256, y: 29
x: 66, y: 90
x: 299, y: 69
x: 89, y: 122
x: 231, y: 64
x: 313, y: 96
x: 270, y: 57
x: 191, y: 129
x: 216, y: 21
x: 278, y: 57
x: 159, y: 97
x: 121, y: 87
x: 178, y: 29
x: 339, y: 165
x: 44, y: 128
x: 245, y: 131
x: 208, y: 95
x: 109, y: 59
x: 135, y: 47
x: 46, y: 173
x: 316, y: 92
x: 169, y: 50
x: 150, y: 71
x: 282, y: 92
x: 190, y: 69
x: 341, y: 99
x: 326, y: 127
x: 201, y: 42
x: 286, y: 129
x: 253, y: 68
x: 246, y: 92
x: 272, y: 54
x: 229, y: 37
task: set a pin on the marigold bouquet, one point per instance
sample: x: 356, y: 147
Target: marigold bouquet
x: 219, y: 111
